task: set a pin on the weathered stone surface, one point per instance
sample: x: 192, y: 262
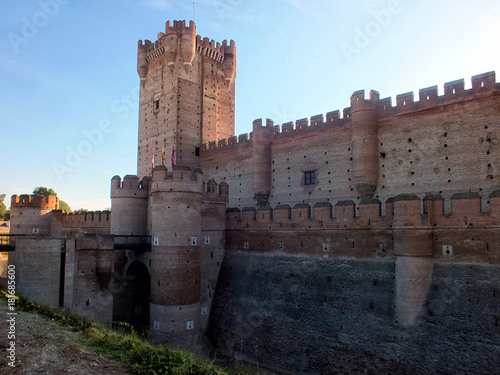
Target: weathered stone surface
x: 333, y: 316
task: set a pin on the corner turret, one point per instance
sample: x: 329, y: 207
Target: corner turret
x: 229, y: 60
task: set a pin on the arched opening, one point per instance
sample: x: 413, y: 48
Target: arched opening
x: 131, y: 304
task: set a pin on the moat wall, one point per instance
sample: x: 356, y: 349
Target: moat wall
x: 311, y: 315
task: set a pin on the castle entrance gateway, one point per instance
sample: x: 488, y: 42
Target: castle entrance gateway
x: 131, y: 304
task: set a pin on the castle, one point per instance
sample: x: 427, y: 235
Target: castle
x: 371, y: 235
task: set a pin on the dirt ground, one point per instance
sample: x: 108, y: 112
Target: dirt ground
x: 45, y: 347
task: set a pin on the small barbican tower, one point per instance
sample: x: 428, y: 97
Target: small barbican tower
x: 129, y: 201
x: 187, y: 94
x: 30, y: 214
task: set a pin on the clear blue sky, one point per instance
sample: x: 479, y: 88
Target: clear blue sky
x: 68, y: 71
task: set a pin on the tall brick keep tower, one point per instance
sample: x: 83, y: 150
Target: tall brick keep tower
x: 187, y: 95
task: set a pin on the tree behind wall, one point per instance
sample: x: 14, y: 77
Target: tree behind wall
x: 42, y: 190
x: 4, y: 213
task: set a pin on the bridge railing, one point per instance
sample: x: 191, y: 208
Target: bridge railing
x: 8, y: 241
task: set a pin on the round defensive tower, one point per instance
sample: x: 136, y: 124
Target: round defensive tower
x: 175, y: 229
x: 414, y: 262
x: 262, y: 160
x: 129, y: 205
x: 364, y: 127
x: 30, y: 214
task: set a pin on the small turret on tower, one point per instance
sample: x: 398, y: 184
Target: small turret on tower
x: 229, y: 60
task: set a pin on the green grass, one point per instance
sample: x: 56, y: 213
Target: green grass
x: 125, y: 346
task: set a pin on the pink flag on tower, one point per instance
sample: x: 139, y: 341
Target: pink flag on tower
x: 153, y: 158
x: 173, y: 156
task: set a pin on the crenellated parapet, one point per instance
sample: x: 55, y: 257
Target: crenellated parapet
x: 35, y: 201
x: 83, y: 219
x: 130, y: 187
x: 179, y: 179
x: 179, y: 42
x: 482, y: 85
x: 213, y: 192
x: 403, y: 211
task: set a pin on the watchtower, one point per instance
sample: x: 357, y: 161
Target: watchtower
x: 187, y: 95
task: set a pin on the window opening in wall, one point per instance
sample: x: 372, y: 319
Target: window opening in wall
x: 196, y: 151
x: 156, y: 105
x: 310, y: 177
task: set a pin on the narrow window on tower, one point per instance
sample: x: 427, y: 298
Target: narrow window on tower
x: 310, y: 177
x: 196, y: 150
x: 156, y: 105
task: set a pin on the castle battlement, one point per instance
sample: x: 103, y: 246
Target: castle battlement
x: 82, y: 219
x: 35, y: 201
x: 482, y: 84
x: 180, y: 179
x: 215, y: 50
x: 213, y: 192
x: 129, y: 187
x: 403, y: 211
x: 168, y: 44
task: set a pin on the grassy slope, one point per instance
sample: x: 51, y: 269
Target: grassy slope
x: 127, y: 348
